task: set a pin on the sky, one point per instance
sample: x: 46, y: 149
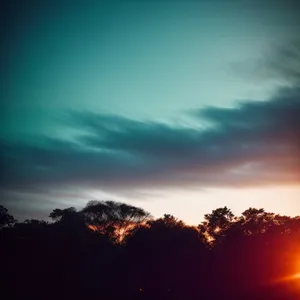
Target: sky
x: 175, y: 106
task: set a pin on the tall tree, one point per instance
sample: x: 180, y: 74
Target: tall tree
x: 114, y: 219
x: 216, y: 223
x: 254, y: 221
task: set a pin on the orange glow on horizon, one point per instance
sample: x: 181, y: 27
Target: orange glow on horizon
x: 120, y: 232
x: 295, y: 272
x: 296, y: 276
x: 289, y: 278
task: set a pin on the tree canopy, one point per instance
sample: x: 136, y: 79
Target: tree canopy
x: 114, y: 250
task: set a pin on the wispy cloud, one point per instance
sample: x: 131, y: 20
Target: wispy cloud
x: 254, y: 143
x: 279, y: 63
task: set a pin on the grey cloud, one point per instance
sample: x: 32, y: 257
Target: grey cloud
x: 117, y: 152
x: 254, y: 143
x: 139, y: 137
x: 280, y: 63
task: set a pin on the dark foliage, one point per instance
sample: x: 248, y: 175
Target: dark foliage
x: 6, y: 220
x: 113, y: 250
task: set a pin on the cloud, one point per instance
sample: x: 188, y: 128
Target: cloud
x: 240, y: 148
x: 279, y: 63
x: 255, y: 143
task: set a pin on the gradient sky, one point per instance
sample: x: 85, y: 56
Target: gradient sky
x: 176, y: 106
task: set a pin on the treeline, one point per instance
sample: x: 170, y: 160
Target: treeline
x: 110, y: 250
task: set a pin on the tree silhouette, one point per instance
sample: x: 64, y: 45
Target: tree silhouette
x: 256, y: 221
x: 62, y: 214
x: 167, y: 221
x: 114, y: 219
x: 6, y: 220
x: 215, y: 224
x: 253, y: 256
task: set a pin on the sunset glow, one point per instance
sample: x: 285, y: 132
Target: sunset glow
x: 150, y: 149
x: 289, y: 278
x: 293, y: 268
x: 120, y: 232
x: 149, y: 103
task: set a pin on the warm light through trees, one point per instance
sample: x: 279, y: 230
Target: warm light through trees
x: 113, y: 243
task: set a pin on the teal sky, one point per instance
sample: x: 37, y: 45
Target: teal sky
x: 149, y: 61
